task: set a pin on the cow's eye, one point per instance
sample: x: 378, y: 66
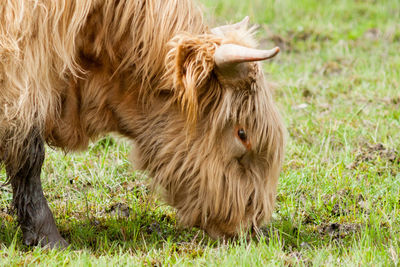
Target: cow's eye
x: 242, y: 135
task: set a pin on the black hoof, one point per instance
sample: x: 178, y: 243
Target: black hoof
x: 54, y: 241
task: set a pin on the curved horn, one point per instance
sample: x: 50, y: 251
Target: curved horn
x: 228, y: 54
x: 222, y: 29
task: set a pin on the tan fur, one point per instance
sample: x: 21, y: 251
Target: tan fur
x: 76, y: 69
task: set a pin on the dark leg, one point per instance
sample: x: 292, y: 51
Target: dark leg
x: 34, y: 216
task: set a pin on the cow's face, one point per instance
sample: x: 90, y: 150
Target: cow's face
x: 237, y: 151
x: 217, y: 153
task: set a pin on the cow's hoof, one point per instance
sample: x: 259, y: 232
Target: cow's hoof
x: 54, y: 241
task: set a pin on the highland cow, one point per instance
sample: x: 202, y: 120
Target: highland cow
x: 194, y: 101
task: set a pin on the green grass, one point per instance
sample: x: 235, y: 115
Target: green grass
x: 338, y: 202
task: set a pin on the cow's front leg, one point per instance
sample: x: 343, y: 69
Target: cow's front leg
x: 34, y: 216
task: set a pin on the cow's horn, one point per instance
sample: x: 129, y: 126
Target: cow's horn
x: 222, y: 29
x: 228, y: 54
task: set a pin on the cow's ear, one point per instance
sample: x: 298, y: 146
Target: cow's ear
x: 190, y: 62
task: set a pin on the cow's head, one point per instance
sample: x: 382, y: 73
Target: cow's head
x: 216, y: 152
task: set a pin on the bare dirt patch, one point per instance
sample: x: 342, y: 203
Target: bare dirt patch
x: 339, y: 230
x: 120, y: 210
x: 370, y: 153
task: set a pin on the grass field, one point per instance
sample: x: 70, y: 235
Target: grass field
x: 338, y: 202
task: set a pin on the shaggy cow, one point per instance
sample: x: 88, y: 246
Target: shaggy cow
x: 194, y: 101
